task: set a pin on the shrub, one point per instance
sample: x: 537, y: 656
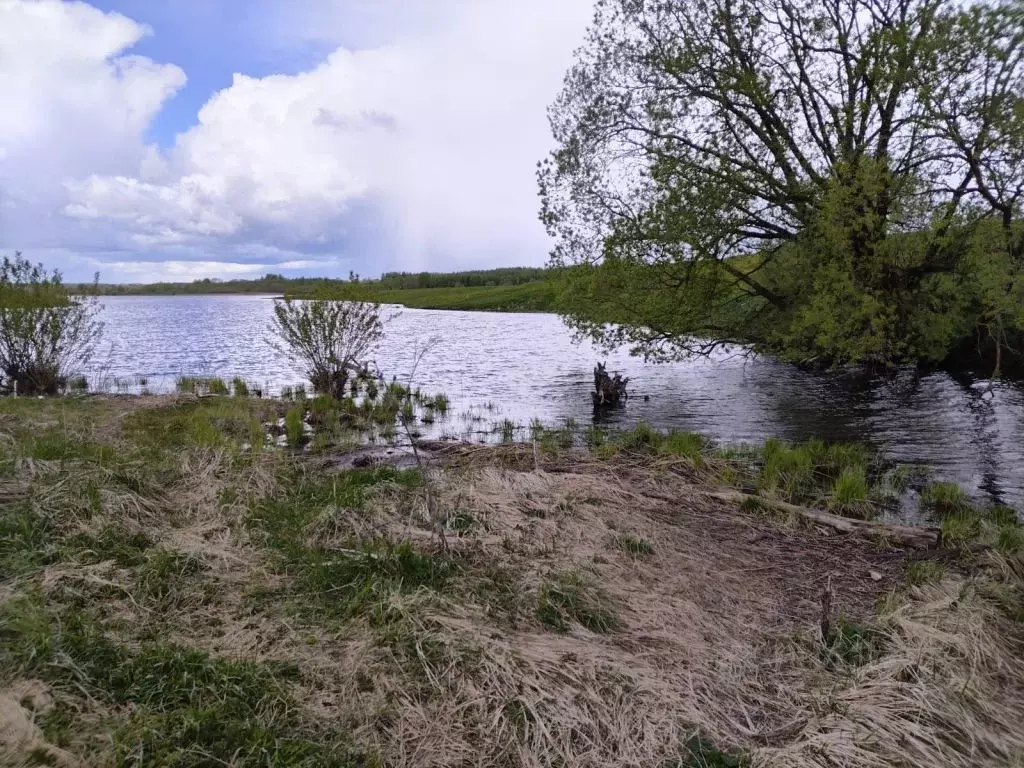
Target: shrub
x: 45, y: 333
x: 332, y: 339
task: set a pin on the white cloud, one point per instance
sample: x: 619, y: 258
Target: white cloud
x: 74, y: 103
x: 430, y: 141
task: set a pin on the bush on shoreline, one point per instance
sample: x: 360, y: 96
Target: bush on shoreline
x: 45, y: 333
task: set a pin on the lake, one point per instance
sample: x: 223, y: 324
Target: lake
x: 525, y: 366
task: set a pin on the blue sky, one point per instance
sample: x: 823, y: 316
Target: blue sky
x: 210, y: 41
x: 205, y: 138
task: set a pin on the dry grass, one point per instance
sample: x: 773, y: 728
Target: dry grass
x: 712, y: 632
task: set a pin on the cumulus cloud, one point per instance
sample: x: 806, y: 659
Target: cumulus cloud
x: 75, y: 102
x: 417, y: 153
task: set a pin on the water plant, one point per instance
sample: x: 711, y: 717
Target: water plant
x: 944, y: 499
x: 850, y: 493
x: 507, y: 428
x: 294, y: 425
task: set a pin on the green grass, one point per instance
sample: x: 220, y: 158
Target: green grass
x: 643, y: 437
x: 341, y: 584
x: 699, y: 752
x: 201, y: 385
x: 294, y: 426
x: 921, y: 572
x: 853, y: 644
x: 279, y: 521
x: 570, y: 597
x: 850, y: 493
x: 634, y: 546
x: 688, y: 445
x: 507, y: 429
x: 175, y: 706
x: 945, y: 499
x: 240, y: 387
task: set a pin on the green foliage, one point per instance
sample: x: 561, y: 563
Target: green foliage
x: 240, y: 387
x: 702, y: 195
x: 571, y: 597
x: 45, y: 332
x: 332, y: 339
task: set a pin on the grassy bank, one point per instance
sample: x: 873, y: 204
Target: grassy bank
x: 175, y: 592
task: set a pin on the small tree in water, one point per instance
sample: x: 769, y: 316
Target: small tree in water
x: 45, y: 332
x: 331, y: 339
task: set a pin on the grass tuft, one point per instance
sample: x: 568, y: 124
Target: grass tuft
x: 850, y: 493
x: 945, y: 499
x: 570, y: 598
x: 921, y: 572
x: 634, y: 546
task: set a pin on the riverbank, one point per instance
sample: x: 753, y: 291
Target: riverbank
x: 173, y: 594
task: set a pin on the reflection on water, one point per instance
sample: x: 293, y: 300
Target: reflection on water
x: 526, y: 367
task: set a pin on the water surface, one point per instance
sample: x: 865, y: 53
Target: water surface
x: 524, y: 366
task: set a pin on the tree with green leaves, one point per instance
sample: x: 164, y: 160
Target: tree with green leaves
x: 332, y: 339
x: 46, y: 334
x: 804, y: 177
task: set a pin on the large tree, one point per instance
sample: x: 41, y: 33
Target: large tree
x: 796, y: 175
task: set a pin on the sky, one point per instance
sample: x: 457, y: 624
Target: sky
x: 182, y: 140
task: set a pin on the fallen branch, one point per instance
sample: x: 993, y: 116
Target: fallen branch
x: 905, y: 535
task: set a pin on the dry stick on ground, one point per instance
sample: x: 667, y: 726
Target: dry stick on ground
x: 915, y: 538
x: 827, y: 600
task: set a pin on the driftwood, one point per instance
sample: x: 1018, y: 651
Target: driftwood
x: 609, y: 391
x: 904, y: 535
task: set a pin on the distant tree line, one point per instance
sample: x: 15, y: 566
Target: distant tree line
x: 471, y: 279
x: 302, y: 286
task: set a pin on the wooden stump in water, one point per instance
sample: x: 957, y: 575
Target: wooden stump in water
x: 609, y: 391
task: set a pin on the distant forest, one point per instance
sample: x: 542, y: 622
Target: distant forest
x: 278, y: 284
